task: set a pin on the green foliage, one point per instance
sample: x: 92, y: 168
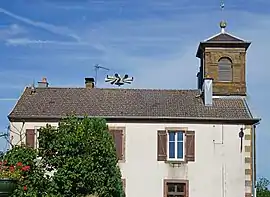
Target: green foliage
x: 33, y: 183
x: 262, y: 188
x: 21, y: 154
x: 83, y: 153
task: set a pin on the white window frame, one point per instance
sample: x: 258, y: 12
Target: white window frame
x: 36, y: 136
x: 176, y: 146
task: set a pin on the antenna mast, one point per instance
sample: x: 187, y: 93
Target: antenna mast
x: 97, y: 67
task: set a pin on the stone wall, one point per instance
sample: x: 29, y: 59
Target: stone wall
x: 238, y: 58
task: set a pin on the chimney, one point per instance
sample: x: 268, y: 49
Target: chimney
x: 89, y: 83
x: 43, y: 83
x: 208, y: 91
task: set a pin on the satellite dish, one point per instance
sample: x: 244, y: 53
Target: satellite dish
x: 117, y: 80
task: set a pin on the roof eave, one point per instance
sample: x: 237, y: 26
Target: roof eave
x: 11, y: 111
x: 202, y: 45
x: 199, y: 50
x: 248, y: 121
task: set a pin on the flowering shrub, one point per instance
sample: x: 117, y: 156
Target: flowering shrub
x: 82, y: 151
x: 32, y: 182
x: 15, y: 172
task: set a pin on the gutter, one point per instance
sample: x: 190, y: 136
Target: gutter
x: 161, y: 119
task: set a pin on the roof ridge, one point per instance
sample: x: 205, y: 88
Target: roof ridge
x: 224, y: 33
x: 148, y: 89
x: 235, y: 36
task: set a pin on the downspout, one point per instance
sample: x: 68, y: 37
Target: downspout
x: 253, y: 142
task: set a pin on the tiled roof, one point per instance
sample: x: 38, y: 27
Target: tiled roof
x: 58, y: 102
x: 225, y: 37
x: 222, y: 39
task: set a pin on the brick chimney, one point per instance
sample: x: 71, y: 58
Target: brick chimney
x: 208, y: 91
x: 89, y: 83
x: 43, y: 83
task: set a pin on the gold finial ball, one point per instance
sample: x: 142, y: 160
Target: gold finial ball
x: 223, y: 24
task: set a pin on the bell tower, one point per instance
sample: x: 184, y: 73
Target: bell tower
x: 223, y: 58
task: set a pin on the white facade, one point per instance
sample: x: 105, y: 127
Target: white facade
x: 218, y: 169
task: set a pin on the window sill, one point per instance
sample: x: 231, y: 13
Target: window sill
x: 175, y: 161
x: 122, y: 161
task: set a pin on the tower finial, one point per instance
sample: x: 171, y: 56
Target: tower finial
x: 223, y: 23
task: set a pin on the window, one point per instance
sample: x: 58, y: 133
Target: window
x: 224, y: 69
x: 176, y: 188
x: 119, y: 140
x: 176, y: 145
x: 31, y: 136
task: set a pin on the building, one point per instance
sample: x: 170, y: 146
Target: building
x: 182, y: 143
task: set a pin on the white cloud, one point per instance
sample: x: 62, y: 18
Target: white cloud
x: 46, y: 26
x: 8, y: 99
x: 26, y: 41
x: 11, y: 31
x: 133, y: 44
x: 15, y: 29
x: 73, y: 7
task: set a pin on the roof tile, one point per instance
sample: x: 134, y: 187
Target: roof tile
x: 224, y: 37
x: 55, y: 102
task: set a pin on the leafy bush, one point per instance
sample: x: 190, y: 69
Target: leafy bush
x: 83, y: 154
x: 33, y: 183
x: 76, y: 159
x: 263, y: 188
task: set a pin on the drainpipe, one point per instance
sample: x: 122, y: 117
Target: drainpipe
x: 253, y: 141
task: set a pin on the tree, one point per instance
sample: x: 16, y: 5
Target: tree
x: 262, y: 188
x: 82, y: 154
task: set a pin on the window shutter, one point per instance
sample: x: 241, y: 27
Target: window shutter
x: 30, y: 138
x: 224, y: 70
x: 162, y: 145
x: 118, y: 140
x: 190, y: 146
x: 225, y: 73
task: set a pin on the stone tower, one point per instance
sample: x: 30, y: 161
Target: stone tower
x: 223, y: 58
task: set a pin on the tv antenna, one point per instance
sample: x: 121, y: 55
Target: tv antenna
x: 118, y: 80
x: 97, y: 67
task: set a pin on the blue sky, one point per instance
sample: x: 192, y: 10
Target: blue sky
x: 148, y: 39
